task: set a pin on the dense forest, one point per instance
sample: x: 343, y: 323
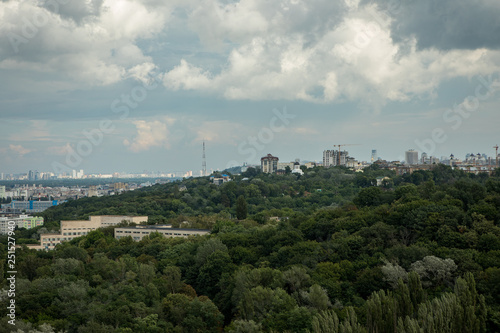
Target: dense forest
x: 328, y: 251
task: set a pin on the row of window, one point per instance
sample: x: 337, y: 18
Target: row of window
x: 80, y: 228
x: 74, y: 233
x: 147, y: 233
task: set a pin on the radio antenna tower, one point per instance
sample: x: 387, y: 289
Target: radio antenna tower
x: 204, y: 162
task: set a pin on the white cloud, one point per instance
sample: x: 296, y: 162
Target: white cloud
x: 295, y: 50
x: 143, y: 72
x: 150, y: 134
x: 186, y: 76
x: 19, y: 150
x: 59, y: 150
x: 92, y: 42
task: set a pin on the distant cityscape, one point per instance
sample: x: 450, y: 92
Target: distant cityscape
x: 471, y: 162
x: 33, y: 198
x: 80, y: 174
x: 21, y: 199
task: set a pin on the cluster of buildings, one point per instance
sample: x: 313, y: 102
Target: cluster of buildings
x: 37, y: 198
x: 34, y: 175
x: 30, y: 206
x: 473, y: 163
x: 19, y: 221
x: 411, y: 158
x: 271, y: 164
x: 73, y: 229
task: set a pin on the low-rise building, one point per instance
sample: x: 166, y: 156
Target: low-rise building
x: 31, y: 206
x: 138, y: 232
x: 220, y: 180
x: 283, y: 165
x: 75, y: 229
x: 20, y: 221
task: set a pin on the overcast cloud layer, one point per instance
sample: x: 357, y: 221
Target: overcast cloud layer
x: 169, y: 75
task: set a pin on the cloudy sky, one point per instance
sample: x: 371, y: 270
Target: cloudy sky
x: 129, y: 85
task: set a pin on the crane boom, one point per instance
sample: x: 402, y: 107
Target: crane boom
x: 346, y: 144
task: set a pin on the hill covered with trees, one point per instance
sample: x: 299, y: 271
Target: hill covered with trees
x: 324, y: 252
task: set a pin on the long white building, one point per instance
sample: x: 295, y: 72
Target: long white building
x: 75, y: 229
x: 138, y: 232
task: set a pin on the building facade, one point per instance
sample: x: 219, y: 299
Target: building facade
x: 220, y: 180
x: 411, y: 157
x: 269, y: 164
x: 31, y: 206
x: 283, y: 165
x: 21, y: 221
x: 75, y: 229
x: 331, y: 158
x: 139, y: 232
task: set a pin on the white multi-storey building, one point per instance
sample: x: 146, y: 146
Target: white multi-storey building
x: 75, y: 229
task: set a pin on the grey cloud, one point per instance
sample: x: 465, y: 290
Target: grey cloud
x: 445, y: 24
x: 242, y: 21
x: 76, y: 10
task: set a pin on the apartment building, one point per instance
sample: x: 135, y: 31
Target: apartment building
x: 269, y: 163
x: 20, y: 221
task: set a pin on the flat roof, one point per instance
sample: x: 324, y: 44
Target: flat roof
x: 160, y: 228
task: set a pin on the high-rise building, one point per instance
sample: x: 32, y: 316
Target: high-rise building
x: 331, y: 158
x: 424, y: 159
x: 2, y: 192
x: 269, y: 164
x: 374, y: 155
x: 411, y: 157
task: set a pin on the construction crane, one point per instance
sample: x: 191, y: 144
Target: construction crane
x: 496, y: 155
x: 347, y: 144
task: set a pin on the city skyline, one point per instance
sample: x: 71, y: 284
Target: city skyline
x: 130, y: 85
x: 417, y: 156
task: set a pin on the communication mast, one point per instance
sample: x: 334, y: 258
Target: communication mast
x: 204, y: 162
